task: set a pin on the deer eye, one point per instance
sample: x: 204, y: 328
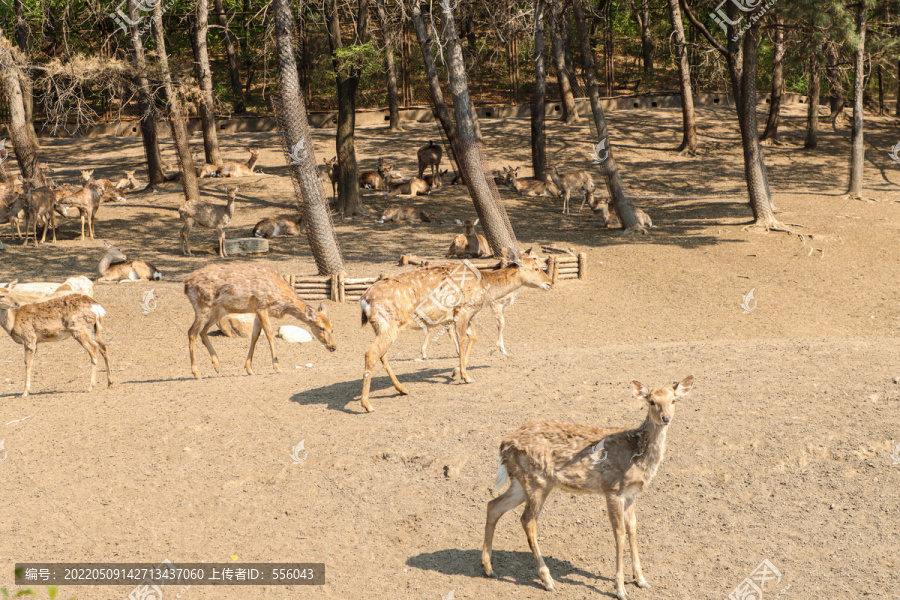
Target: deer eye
x: 652, y: 403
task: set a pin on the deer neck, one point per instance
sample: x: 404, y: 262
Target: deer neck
x: 251, y: 162
x: 7, y: 319
x: 650, y: 446
x: 474, y: 244
x: 499, y: 283
x: 104, y: 264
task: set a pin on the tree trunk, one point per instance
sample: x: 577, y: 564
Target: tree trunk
x: 146, y: 103
x: 563, y: 75
x: 488, y: 204
x: 25, y: 82
x: 538, y: 105
x: 688, y: 118
x: 176, y: 119
x: 812, y: 99
x: 19, y: 132
x: 771, y: 130
x: 234, y: 68
x: 646, y: 37
x: 349, y: 201
x: 298, y: 140
x: 619, y: 197
x: 204, y: 75
x: 835, y: 83
x: 393, y: 96
x: 857, y: 151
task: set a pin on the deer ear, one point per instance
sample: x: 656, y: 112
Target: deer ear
x: 684, y: 386
x: 514, y: 256
x: 458, y: 222
x: 640, y: 390
x: 321, y: 308
x: 310, y: 313
x: 475, y: 224
x: 10, y: 285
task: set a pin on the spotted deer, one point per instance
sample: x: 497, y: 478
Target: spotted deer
x: 54, y: 320
x: 610, y: 216
x: 245, y: 288
x: 86, y: 201
x: 88, y: 176
x: 574, y: 181
x: 582, y: 459
x: 213, y: 216
x: 115, y: 266
x: 429, y: 155
x: 529, y: 186
x: 237, y: 169
x: 429, y: 297
x: 39, y: 209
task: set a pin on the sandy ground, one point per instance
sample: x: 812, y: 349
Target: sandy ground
x: 781, y: 452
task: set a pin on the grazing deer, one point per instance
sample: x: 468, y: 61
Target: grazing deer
x: 53, y: 320
x: 115, y: 266
x: 529, y: 186
x: 430, y: 297
x: 429, y: 156
x: 575, y: 181
x: 469, y: 244
x: 128, y: 182
x: 271, y: 227
x: 39, y: 208
x: 86, y: 201
x: 246, y: 288
x: 396, y: 213
x: 329, y: 172
x: 582, y: 459
x: 610, y: 216
x: 236, y: 169
x: 214, y: 216
x: 88, y: 176
x: 435, y: 180
x: 413, y: 187
x: 378, y: 179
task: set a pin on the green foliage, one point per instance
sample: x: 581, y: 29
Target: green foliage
x: 359, y: 59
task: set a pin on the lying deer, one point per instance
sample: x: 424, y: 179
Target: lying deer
x: 236, y: 169
x: 87, y: 176
x: 271, y: 227
x: 610, y: 216
x: 574, y: 181
x: 396, y: 213
x: 115, y: 266
x: 378, y: 179
x: 582, y: 459
x: 529, y: 186
x: 54, y: 320
x: 246, y: 288
x: 413, y: 187
x: 430, y: 297
x: 214, y: 216
x: 429, y: 155
x: 128, y: 182
x: 468, y: 244
x: 434, y: 181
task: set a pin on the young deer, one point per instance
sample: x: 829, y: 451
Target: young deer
x: 529, y: 186
x: 429, y: 156
x: 575, y: 181
x: 430, y: 297
x: 376, y: 180
x: 86, y: 201
x: 246, y: 288
x: 413, y: 187
x: 54, y: 320
x: 329, y: 172
x: 404, y: 214
x: 39, y: 208
x: 128, y: 182
x: 115, y: 266
x: 271, y: 227
x: 12, y: 207
x: 469, y: 244
x: 582, y: 459
x: 88, y: 176
x: 236, y: 169
x: 610, y: 217
x: 214, y: 216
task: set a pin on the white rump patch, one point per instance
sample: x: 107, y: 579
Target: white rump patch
x: 98, y: 310
x: 502, y: 478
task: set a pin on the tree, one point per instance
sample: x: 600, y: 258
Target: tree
x: 24, y: 78
x: 643, y: 19
x: 538, y: 105
x: 771, y: 131
x: 812, y: 101
x: 204, y: 76
x: 857, y: 151
x: 11, y: 63
x: 387, y: 35
x: 688, y: 118
x: 234, y: 69
x: 297, y: 139
x: 563, y: 74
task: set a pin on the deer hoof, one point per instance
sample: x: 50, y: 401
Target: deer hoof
x: 641, y: 582
x: 547, y: 580
x: 402, y: 390
x: 369, y: 408
x: 196, y: 373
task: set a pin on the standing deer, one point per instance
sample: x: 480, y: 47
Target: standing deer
x: 582, y: 459
x: 378, y: 179
x: 39, y: 208
x: 54, y: 320
x: 329, y: 172
x: 575, y: 181
x: 115, y: 266
x: 610, y: 216
x: 86, y: 201
x: 246, y: 288
x: 12, y: 207
x: 236, y: 169
x: 469, y: 244
x: 404, y: 214
x: 529, y: 186
x: 271, y: 227
x: 214, y: 216
x: 429, y: 156
x: 430, y: 297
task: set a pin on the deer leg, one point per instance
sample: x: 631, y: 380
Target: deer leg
x: 185, y: 232
x: 428, y: 333
x: 387, y: 367
x: 383, y: 341
x: 221, y: 232
x: 467, y: 337
x: 84, y: 338
x: 616, y: 509
x: 30, y: 349
x: 262, y: 322
x: 498, y: 309
x: 81, y: 214
x: 584, y: 200
x: 104, y: 353
x: 498, y: 507
x: 257, y: 328
x: 631, y: 529
x: 534, y: 502
x: 192, y: 340
x: 214, y: 315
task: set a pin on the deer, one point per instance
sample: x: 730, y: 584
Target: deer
x: 329, y: 172
x: 582, y: 459
x: 86, y: 201
x: 574, y: 181
x: 213, y: 216
x: 429, y: 297
x: 468, y: 244
x: 610, y: 216
x: 429, y: 155
x: 396, y: 213
x: 530, y: 186
x: 413, y: 187
x: 87, y: 176
x: 128, y: 182
x: 435, y: 180
x: 236, y: 169
x: 245, y: 288
x: 53, y: 320
x: 12, y: 207
x: 378, y: 179
x: 115, y: 266
x: 271, y: 227
x: 39, y: 208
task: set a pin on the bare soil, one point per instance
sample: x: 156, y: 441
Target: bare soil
x: 781, y: 452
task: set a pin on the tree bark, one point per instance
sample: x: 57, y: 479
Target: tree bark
x: 563, y: 75
x: 19, y: 131
x: 295, y: 132
x: 25, y: 79
x: 234, y: 68
x: 538, y: 104
x: 619, y: 197
x: 176, y: 119
x: 812, y: 99
x: 646, y: 36
x: 388, y: 35
x: 688, y: 117
x: 771, y: 130
x: 857, y: 151
x: 488, y: 204
x: 204, y: 75
x: 835, y: 84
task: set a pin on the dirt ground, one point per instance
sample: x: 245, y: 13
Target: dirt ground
x: 782, y: 451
